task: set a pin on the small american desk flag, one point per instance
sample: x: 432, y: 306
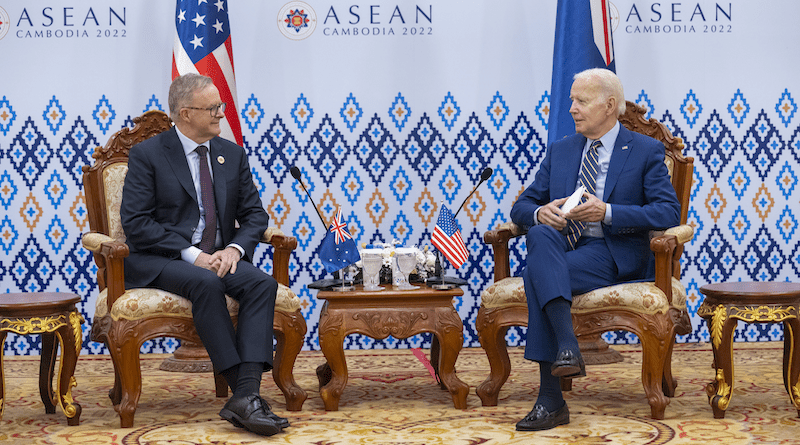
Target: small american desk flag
x: 203, y: 45
x: 447, y: 238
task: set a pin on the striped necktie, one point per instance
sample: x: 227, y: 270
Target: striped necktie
x: 587, y: 178
x: 207, y: 197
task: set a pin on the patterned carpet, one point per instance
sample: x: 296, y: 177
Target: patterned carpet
x: 398, y: 402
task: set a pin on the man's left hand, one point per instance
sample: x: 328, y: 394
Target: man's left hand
x: 592, y: 210
x: 224, y: 261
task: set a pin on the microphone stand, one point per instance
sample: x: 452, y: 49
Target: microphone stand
x: 296, y: 174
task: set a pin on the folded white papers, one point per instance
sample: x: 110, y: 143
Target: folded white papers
x: 573, y: 200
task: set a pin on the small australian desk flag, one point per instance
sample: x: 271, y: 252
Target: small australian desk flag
x: 338, y: 249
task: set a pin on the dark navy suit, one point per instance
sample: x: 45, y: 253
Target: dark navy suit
x: 642, y: 199
x: 159, y: 214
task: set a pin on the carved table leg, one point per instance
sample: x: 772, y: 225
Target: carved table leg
x: 449, y: 329
x: 436, y: 352
x: 331, y: 342
x: 71, y: 339
x: 719, y: 391
x: 791, y: 364
x: 2, y: 376
x: 47, y: 363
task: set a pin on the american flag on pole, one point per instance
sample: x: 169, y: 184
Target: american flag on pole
x: 203, y: 45
x: 583, y: 40
x: 447, y: 238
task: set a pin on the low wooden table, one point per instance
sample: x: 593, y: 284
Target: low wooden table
x: 399, y: 313
x: 751, y: 302
x: 54, y: 316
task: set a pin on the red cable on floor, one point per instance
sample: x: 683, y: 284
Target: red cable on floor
x: 425, y: 362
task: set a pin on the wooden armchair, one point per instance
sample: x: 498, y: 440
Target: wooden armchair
x: 654, y: 311
x: 126, y: 318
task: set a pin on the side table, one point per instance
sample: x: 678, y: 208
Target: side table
x: 54, y: 316
x: 751, y: 302
x: 399, y: 313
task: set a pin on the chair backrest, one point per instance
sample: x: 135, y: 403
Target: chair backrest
x: 680, y: 167
x: 103, y: 181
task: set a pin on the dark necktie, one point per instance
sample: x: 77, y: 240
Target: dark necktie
x: 207, y: 197
x: 587, y: 178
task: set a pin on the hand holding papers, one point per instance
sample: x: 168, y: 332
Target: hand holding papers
x: 573, y: 200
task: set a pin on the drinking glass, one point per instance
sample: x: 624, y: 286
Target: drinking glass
x: 406, y: 262
x: 372, y: 261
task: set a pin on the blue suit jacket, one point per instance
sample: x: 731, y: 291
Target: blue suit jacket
x: 159, y: 208
x: 637, y: 186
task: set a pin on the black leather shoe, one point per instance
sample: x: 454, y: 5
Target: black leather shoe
x: 568, y: 364
x: 281, y: 421
x: 540, y: 419
x: 251, y: 413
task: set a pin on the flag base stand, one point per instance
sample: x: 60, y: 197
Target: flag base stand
x: 443, y: 286
x: 342, y: 288
x: 445, y: 283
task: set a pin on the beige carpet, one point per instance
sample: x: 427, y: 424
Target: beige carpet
x: 391, y: 398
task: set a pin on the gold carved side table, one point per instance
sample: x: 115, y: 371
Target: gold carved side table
x: 751, y: 302
x: 54, y: 316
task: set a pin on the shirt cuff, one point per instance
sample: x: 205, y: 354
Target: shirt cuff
x: 607, y: 217
x: 239, y: 248
x: 190, y: 254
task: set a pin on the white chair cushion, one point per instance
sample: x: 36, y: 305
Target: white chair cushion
x: 643, y: 297
x: 136, y: 304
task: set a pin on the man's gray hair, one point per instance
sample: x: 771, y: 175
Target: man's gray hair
x: 609, y: 83
x: 182, y: 90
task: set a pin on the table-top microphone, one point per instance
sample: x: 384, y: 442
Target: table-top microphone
x: 296, y: 175
x: 485, y: 174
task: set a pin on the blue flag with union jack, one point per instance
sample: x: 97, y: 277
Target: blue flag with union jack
x: 338, y: 248
x: 582, y: 41
x: 203, y: 46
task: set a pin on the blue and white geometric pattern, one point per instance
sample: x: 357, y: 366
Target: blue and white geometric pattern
x: 449, y: 111
x: 7, y: 116
x: 391, y: 172
x: 103, y: 114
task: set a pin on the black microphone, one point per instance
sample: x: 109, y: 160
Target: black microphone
x: 296, y: 175
x: 485, y: 174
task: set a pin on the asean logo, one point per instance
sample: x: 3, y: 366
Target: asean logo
x: 5, y: 23
x: 296, y: 20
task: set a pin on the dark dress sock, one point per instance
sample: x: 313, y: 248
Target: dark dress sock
x: 558, y: 314
x: 550, y: 395
x: 249, y: 381
x: 231, y: 375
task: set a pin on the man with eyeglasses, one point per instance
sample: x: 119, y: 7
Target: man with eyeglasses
x: 193, y: 217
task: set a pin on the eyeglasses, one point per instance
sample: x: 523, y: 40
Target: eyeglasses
x: 213, y: 110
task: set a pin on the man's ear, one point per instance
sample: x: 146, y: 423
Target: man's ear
x: 611, y: 103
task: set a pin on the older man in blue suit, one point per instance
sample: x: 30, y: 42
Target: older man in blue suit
x: 602, y: 241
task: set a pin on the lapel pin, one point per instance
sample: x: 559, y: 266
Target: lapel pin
x: 221, y: 160
x: 625, y: 147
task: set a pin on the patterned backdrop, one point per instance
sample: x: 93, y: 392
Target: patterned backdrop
x: 390, y: 109
x: 390, y: 183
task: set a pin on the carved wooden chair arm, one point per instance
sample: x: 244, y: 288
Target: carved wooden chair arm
x: 283, y: 246
x: 109, y: 256
x: 498, y: 238
x: 667, y: 249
